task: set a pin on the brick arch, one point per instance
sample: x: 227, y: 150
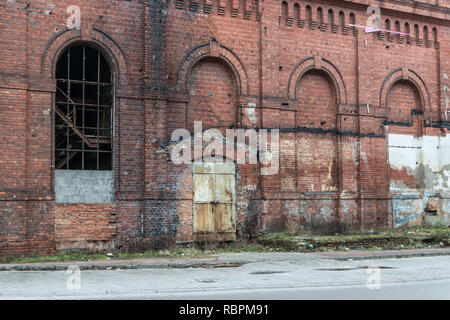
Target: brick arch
x: 214, y: 106
x: 213, y: 49
x: 409, y: 75
x: 317, y: 109
x: 317, y: 63
x: 98, y: 38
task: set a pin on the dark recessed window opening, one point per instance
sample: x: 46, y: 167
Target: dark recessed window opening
x: 83, y: 110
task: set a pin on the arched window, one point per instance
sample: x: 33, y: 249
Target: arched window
x: 353, y: 22
x: 331, y: 17
x: 352, y: 18
x: 320, y: 15
x: 83, y: 110
x: 296, y: 12
x: 425, y: 34
x: 407, y: 28
x: 397, y: 28
x: 341, y: 18
x: 417, y: 35
x: 284, y: 11
x: 308, y: 14
x: 408, y: 32
x: 387, y: 24
x: 416, y: 31
x: 435, y: 38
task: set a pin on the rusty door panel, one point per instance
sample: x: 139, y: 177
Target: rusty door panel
x: 204, y: 195
x: 204, y: 185
x: 204, y: 168
x: 203, y: 220
x: 224, y: 168
x: 214, y: 201
x: 224, y: 218
x: 224, y: 188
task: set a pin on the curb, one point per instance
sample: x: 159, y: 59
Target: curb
x: 124, y: 266
x: 391, y: 256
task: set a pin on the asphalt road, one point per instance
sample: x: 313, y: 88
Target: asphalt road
x: 291, y: 276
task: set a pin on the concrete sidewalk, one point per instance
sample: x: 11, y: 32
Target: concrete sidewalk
x: 385, y: 254
x: 114, y: 264
x: 223, y: 260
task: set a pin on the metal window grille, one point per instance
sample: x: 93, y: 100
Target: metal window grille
x: 83, y: 110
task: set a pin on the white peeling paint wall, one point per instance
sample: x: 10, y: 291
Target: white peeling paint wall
x: 427, y: 158
x: 251, y: 113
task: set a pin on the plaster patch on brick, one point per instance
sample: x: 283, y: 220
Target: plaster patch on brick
x: 427, y: 159
x: 326, y: 212
x: 77, y: 186
x: 251, y: 113
x: 407, y: 211
x: 403, y: 151
x: 407, y: 151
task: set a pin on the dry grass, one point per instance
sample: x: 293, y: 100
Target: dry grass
x: 210, y: 242
x: 153, y: 243
x: 294, y: 223
x: 329, y: 228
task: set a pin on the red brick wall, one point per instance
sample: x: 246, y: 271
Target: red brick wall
x: 85, y: 226
x: 159, y: 52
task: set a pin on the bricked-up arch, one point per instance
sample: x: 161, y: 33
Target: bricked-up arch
x: 212, y: 94
x: 97, y: 38
x: 404, y: 121
x: 317, y: 153
x: 215, y: 50
x: 403, y: 101
x: 409, y: 75
x: 405, y: 117
x: 317, y: 63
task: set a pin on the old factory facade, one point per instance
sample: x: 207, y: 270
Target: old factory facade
x: 91, y: 93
